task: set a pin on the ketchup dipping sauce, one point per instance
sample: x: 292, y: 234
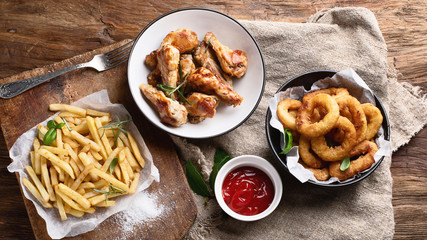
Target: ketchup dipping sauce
x: 247, y: 190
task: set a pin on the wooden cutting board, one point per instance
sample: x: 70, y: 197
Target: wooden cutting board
x: 19, y: 114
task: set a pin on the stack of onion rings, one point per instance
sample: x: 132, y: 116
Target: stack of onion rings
x: 332, y: 125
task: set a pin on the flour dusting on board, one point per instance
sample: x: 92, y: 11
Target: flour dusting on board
x: 143, y: 211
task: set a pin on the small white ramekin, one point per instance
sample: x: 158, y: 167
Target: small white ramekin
x: 249, y: 161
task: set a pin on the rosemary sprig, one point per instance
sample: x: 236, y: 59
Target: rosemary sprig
x: 66, y: 123
x: 171, y: 90
x: 111, y: 189
x: 116, y: 125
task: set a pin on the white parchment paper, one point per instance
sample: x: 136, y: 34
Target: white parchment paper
x: 20, y: 154
x: 347, y: 78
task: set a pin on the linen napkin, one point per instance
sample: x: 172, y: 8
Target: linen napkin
x: 335, y: 39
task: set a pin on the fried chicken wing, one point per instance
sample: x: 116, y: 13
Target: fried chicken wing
x: 171, y: 111
x: 203, y: 80
x: 167, y: 63
x: 233, y: 62
x: 187, y: 65
x: 206, y: 58
x: 183, y: 39
x: 201, y: 105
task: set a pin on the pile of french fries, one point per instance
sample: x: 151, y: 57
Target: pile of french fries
x: 86, y: 165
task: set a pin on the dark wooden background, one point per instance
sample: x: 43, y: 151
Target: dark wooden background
x: 38, y: 33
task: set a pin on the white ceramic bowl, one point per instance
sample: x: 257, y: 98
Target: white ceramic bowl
x: 249, y: 161
x: 229, y: 32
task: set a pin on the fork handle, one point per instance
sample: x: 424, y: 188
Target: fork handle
x: 12, y: 89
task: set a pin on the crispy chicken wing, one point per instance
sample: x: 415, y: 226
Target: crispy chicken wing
x: 171, y: 111
x: 203, y: 80
x: 183, y: 39
x: 167, y: 63
x: 201, y: 105
x: 187, y: 65
x: 233, y: 62
x: 206, y: 58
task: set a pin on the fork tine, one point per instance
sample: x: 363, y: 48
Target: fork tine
x: 113, y: 61
x: 110, y: 57
x: 118, y: 63
x: 117, y: 49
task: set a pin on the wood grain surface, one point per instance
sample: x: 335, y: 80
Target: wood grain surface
x: 38, y: 33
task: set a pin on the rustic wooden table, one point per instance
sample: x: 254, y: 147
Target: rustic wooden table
x: 38, y: 33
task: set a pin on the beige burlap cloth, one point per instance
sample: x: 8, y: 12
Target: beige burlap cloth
x: 331, y: 40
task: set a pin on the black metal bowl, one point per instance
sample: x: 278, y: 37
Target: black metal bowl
x: 273, y: 135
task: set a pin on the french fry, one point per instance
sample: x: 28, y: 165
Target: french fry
x: 36, y: 146
x: 103, y: 137
x: 87, y: 185
x: 60, y: 207
x: 71, y: 142
x: 105, y: 204
x: 74, y: 195
x: 136, y: 151
x: 53, y: 176
x: 96, y: 155
x: 129, y: 156
x: 69, y: 201
x: 32, y: 158
x: 129, y: 169
x: 59, y: 142
x: 35, y: 192
x: 64, y: 129
x: 95, y: 134
x: 74, y: 166
x: 109, y: 178
x: 110, y: 158
x: 124, y: 172
x: 70, y: 151
x: 99, y: 198
x: 95, y: 113
x: 47, y: 180
x: 41, y: 131
x: 36, y: 181
x: 134, y: 184
x: 58, y: 162
x: 80, y: 178
x: 85, y: 141
x: 70, y: 108
x: 68, y: 114
x: 55, y: 150
x: 81, y: 191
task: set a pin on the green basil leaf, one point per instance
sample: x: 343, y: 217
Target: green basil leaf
x: 195, y: 180
x: 113, y: 164
x: 288, y: 142
x: 221, y: 157
x: 60, y: 125
x: 51, y: 124
x: 49, y: 137
x: 345, y: 164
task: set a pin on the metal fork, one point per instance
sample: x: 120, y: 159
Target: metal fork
x: 100, y: 62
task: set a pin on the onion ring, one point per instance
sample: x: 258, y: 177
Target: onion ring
x: 374, y: 119
x: 321, y: 174
x: 336, y: 153
x: 333, y: 92
x: 307, y: 156
x: 365, y: 150
x: 284, y: 112
x: 351, y: 108
x: 315, y: 129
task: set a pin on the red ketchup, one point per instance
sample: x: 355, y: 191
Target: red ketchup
x: 247, y: 191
